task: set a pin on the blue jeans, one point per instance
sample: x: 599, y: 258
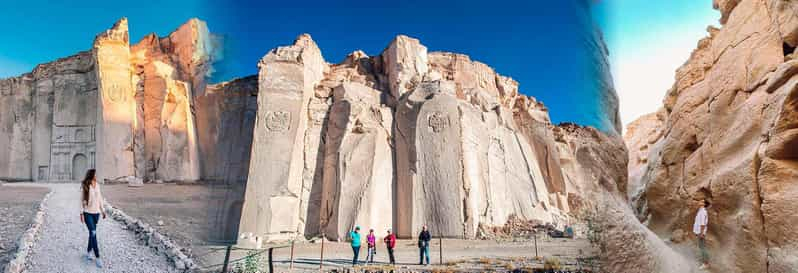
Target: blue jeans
x: 423, y: 252
x: 356, y: 250
x: 91, y: 220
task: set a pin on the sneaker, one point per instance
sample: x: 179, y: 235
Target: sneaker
x: 87, y: 257
x: 99, y: 263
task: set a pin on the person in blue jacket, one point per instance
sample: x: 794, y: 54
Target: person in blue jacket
x: 423, y: 245
x: 355, y: 239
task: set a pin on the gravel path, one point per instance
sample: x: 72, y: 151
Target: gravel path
x: 63, y: 241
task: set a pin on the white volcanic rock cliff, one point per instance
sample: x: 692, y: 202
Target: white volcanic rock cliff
x: 403, y: 139
x: 128, y: 111
x: 727, y: 133
x: 398, y: 140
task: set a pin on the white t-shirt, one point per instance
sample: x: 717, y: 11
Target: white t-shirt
x: 701, y: 219
x: 94, y: 205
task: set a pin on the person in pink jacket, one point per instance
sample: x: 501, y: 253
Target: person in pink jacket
x: 371, y: 240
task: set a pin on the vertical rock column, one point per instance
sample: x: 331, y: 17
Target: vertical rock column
x: 358, y: 167
x: 287, y: 76
x: 429, y: 162
x: 171, y: 70
x: 406, y: 63
x: 116, y: 103
x: 17, y: 121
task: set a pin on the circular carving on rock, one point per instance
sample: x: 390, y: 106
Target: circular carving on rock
x: 278, y: 121
x: 438, y: 121
x: 115, y: 93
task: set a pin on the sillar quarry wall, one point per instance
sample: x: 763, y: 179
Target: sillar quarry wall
x: 398, y: 140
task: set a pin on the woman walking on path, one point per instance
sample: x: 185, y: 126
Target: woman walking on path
x: 91, y: 203
x: 371, y: 240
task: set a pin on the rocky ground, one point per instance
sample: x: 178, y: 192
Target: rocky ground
x: 182, y: 212
x: 462, y: 255
x: 17, y: 207
x: 62, y: 240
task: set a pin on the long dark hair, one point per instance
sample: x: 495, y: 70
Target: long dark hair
x: 86, y: 184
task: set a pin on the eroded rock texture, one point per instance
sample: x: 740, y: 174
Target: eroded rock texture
x: 225, y: 118
x: 404, y: 139
x: 275, y: 188
x: 49, y: 118
x: 128, y: 111
x: 168, y: 72
x: 399, y: 140
x: 728, y: 136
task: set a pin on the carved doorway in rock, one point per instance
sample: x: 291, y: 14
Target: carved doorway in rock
x: 80, y: 164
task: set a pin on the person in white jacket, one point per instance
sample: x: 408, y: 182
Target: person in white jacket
x: 700, y: 230
x: 91, y: 204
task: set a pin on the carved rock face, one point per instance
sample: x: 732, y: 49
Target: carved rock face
x: 116, y: 102
x: 429, y: 162
x: 275, y: 188
x: 358, y: 163
x: 398, y: 140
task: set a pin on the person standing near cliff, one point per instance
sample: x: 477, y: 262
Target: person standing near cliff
x: 390, y: 243
x: 423, y: 245
x: 371, y: 241
x: 700, y: 230
x: 91, y: 204
x: 355, y: 237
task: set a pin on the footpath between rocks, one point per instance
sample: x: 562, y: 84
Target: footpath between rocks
x: 62, y: 241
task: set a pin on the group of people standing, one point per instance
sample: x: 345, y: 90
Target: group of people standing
x: 390, y: 243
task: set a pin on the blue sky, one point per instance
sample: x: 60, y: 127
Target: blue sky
x: 36, y: 31
x: 648, y: 41
x: 537, y: 43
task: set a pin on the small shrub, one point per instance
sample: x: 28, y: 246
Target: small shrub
x: 250, y: 264
x: 552, y: 263
x: 509, y: 266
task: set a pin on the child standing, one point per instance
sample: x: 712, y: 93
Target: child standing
x: 372, y: 246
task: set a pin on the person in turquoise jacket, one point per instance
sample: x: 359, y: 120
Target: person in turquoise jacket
x: 355, y: 237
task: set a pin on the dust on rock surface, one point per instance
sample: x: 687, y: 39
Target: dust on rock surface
x: 18, y: 205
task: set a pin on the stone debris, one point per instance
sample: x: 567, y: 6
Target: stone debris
x: 28, y: 240
x: 156, y: 241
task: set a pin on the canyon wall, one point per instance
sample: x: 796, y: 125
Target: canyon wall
x: 727, y: 133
